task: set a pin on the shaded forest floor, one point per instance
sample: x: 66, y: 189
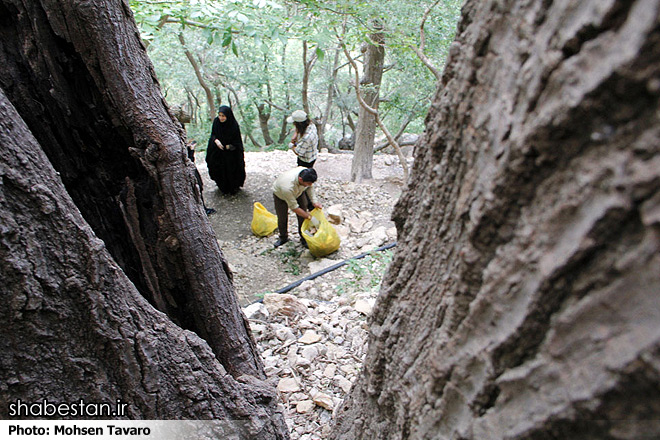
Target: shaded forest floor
x: 258, y: 267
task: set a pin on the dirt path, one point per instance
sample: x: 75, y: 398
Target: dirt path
x: 257, y: 266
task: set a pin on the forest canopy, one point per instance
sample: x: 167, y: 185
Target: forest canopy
x: 267, y: 58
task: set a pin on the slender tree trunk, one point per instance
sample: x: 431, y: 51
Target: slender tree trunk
x: 366, y: 127
x: 264, y: 117
x: 522, y: 302
x: 200, y: 78
x: 308, y: 64
x: 329, y: 100
x: 374, y: 112
x: 78, y: 75
x: 350, y: 121
x: 284, y: 130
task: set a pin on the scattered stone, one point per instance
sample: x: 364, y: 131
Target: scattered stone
x: 311, y: 372
x: 310, y: 337
x: 310, y: 353
x: 330, y: 371
x: 356, y: 224
x: 378, y: 236
x: 343, y: 301
x: 284, y: 334
x: 305, y: 406
x: 363, y: 307
x: 391, y: 233
x: 324, y: 401
x: 283, y: 304
x: 258, y: 328
x: 256, y: 311
x: 288, y: 385
x: 348, y: 369
x: 343, y: 383
x: 335, y: 214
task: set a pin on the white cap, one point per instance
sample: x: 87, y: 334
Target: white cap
x: 297, y: 116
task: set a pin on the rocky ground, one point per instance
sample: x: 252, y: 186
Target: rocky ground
x: 313, y: 337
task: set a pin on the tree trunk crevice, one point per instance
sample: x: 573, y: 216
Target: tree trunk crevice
x: 521, y: 300
x: 79, y: 79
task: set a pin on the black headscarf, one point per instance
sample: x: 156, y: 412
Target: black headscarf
x: 226, y: 167
x: 228, y: 132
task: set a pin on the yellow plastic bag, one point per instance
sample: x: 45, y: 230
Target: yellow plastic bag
x: 263, y: 221
x: 325, y: 240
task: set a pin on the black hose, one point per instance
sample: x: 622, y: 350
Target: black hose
x: 331, y: 268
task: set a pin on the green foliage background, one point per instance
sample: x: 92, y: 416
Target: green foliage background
x: 250, y: 53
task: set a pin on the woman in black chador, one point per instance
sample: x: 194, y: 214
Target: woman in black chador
x: 224, y: 154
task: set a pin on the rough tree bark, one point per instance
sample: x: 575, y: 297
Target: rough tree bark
x: 365, y: 131
x: 523, y: 299
x: 78, y: 75
x: 74, y: 326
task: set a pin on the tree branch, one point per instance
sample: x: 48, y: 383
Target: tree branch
x: 419, y: 51
x: 200, y: 76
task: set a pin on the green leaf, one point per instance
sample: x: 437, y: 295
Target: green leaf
x: 153, y: 19
x: 320, y: 53
x: 227, y: 39
x: 234, y: 48
x: 208, y: 35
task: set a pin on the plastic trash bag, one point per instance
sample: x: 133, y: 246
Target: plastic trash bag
x: 324, y: 240
x: 263, y: 221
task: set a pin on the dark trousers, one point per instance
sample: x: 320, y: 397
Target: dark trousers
x: 282, y: 211
x: 302, y: 163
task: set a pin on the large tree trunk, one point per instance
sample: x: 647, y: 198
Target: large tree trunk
x: 79, y: 77
x: 74, y: 326
x: 365, y: 132
x: 523, y: 299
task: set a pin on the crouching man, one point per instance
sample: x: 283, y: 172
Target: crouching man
x: 293, y: 190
